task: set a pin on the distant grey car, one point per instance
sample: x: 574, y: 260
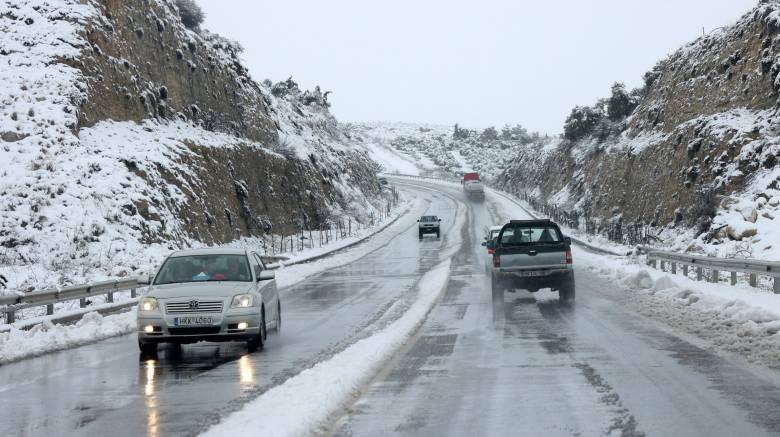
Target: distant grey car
x: 429, y: 224
x: 209, y: 295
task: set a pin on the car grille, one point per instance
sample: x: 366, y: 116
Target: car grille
x: 204, y: 306
x: 200, y: 330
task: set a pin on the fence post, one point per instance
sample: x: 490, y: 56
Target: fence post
x: 715, y: 276
x: 698, y: 273
x: 49, y: 309
x: 734, y: 278
x: 133, y: 293
x: 674, y: 268
x: 663, y: 263
x: 685, y: 270
x: 776, y: 286
x: 753, y: 280
x: 10, y: 316
x: 110, y: 297
x: 83, y: 302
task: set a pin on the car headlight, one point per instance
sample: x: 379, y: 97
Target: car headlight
x: 148, y: 304
x: 242, y: 301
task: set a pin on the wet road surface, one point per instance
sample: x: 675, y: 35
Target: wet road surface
x: 528, y: 365
x: 522, y: 366
x: 107, y: 388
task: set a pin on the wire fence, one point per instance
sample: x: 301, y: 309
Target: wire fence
x: 331, y: 231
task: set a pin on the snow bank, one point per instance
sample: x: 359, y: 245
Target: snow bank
x: 738, y: 319
x: 306, y: 403
x: 48, y: 337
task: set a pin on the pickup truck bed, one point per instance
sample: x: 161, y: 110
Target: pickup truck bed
x: 532, y: 254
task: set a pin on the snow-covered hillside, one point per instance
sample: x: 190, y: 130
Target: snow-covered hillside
x: 433, y: 149
x: 85, y: 197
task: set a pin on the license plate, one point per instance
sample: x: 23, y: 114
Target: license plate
x: 533, y: 273
x: 194, y: 321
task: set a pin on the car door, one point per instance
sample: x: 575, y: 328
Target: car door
x: 269, y: 291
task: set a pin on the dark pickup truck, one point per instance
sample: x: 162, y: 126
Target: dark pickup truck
x: 532, y: 254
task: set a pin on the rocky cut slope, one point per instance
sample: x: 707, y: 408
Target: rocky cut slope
x: 696, y: 159
x: 126, y: 134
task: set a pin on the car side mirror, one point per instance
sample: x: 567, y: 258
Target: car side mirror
x: 484, y: 243
x: 418, y: 220
x: 567, y: 240
x: 439, y: 219
x: 266, y: 275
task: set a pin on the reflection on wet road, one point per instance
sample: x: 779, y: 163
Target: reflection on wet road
x: 524, y: 365
x: 528, y: 365
x: 105, y: 389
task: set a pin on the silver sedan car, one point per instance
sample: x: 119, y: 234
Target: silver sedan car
x: 209, y: 295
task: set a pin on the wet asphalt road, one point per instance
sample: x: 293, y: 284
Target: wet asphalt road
x: 522, y: 366
x: 107, y: 388
x: 528, y: 365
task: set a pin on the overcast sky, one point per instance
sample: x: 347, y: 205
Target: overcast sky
x: 476, y: 63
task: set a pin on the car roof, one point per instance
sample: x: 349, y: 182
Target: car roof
x: 209, y: 251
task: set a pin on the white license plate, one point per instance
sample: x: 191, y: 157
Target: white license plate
x: 194, y: 321
x: 533, y: 273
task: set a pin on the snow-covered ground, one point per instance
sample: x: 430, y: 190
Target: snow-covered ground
x: 432, y: 148
x: 70, y: 210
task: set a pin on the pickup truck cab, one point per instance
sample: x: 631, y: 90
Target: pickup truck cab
x: 532, y: 254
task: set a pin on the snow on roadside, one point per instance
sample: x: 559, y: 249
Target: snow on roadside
x: 287, y: 276
x: 48, y: 337
x: 737, y: 319
x: 304, y: 404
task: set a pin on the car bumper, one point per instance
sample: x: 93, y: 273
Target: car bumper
x: 429, y: 230
x: 165, y: 331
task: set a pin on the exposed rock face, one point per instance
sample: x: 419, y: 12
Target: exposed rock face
x: 144, y: 63
x: 706, y: 127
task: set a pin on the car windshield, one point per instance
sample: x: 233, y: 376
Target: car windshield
x: 201, y: 268
x: 428, y: 218
x: 520, y: 235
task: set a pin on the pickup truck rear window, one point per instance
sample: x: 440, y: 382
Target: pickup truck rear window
x: 429, y: 218
x: 523, y: 235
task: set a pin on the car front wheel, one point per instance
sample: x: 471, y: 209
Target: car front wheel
x: 257, y: 343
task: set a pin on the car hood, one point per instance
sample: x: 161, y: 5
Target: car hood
x: 199, y: 289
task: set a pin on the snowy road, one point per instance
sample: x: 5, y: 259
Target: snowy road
x: 525, y: 366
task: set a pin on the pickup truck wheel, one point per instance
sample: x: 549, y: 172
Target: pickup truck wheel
x: 421, y: 235
x: 566, y: 291
x: 438, y: 235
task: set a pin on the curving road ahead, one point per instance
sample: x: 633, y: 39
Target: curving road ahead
x: 524, y: 366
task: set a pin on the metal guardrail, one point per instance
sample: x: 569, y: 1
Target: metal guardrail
x: 10, y: 304
x: 752, y: 267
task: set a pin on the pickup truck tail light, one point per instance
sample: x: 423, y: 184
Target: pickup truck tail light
x: 496, y: 260
x: 569, y: 259
x: 491, y: 251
